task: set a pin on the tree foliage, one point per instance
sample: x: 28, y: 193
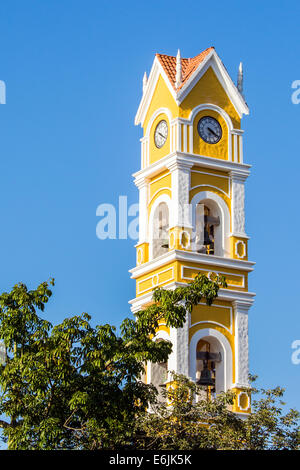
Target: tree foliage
x: 182, y: 422
x: 72, y: 386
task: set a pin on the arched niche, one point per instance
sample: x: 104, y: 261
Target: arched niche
x: 218, y: 343
x: 159, y: 222
x: 218, y: 209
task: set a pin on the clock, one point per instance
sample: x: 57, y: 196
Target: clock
x: 161, y: 134
x: 209, y: 130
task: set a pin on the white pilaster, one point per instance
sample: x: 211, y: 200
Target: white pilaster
x: 185, y: 129
x: 241, y: 149
x: 241, y: 343
x: 191, y: 139
x: 182, y: 349
x: 238, y: 204
x: 237, y: 150
x: 178, y: 143
x: 180, y: 177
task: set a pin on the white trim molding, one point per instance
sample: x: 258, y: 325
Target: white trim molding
x: 195, y: 160
x: 191, y: 257
x: 224, y: 294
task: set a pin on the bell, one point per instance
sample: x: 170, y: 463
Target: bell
x: 205, y: 377
x: 207, y: 239
x: 165, y: 243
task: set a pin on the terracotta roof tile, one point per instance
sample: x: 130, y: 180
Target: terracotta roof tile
x: 188, y: 66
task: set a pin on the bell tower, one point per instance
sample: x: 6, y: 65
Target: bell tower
x: 191, y: 214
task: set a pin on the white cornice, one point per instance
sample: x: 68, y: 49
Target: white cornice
x: 191, y: 257
x: 191, y: 159
x: 247, y: 298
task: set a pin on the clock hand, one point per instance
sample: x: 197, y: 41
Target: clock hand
x: 161, y: 135
x: 212, y: 131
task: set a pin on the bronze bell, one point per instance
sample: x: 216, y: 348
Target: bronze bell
x: 165, y: 243
x: 207, y: 240
x: 205, y: 377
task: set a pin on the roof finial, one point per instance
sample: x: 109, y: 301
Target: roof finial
x: 240, y: 79
x: 145, y: 81
x: 178, y: 70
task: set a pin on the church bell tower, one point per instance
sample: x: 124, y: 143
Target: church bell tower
x: 191, y: 214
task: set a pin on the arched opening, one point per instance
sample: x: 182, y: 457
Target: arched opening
x: 210, y: 366
x: 160, y: 241
x: 208, y: 228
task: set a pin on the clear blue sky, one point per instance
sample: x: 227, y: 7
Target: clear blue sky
x: 73, y: 72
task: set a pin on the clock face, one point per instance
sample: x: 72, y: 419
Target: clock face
x: 209, y: 130
x: 161, y: 134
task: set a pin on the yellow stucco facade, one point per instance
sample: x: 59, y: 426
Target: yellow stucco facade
x: 186, y: 170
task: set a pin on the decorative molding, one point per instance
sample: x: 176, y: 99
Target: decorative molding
x: 211, y: 186
x: 184, y: 232
x: 240, y: 242
x: 240, y: 169
x: 224, y: 294
x: 155, y: 280
x: 248, y: 401
x: 191, y: 257
x: 212, y: 272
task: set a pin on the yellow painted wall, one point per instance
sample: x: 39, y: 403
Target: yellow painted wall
x: 161, y: 98
x: 209, y: 90
x: 203, y: 177
x: 215, y: 313
x: 160, y: 181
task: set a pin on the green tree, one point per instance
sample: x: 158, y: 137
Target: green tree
x: 191, y: 424
x: 72, y: 386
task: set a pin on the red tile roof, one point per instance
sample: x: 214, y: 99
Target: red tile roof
x: 188, y: 66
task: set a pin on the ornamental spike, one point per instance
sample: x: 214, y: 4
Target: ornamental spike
x: 178, y: 70
x: 240, y: 79
x: 145, y: 81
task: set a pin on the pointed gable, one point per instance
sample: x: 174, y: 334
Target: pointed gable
x: 188, y: 66
x: 191, y: 71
